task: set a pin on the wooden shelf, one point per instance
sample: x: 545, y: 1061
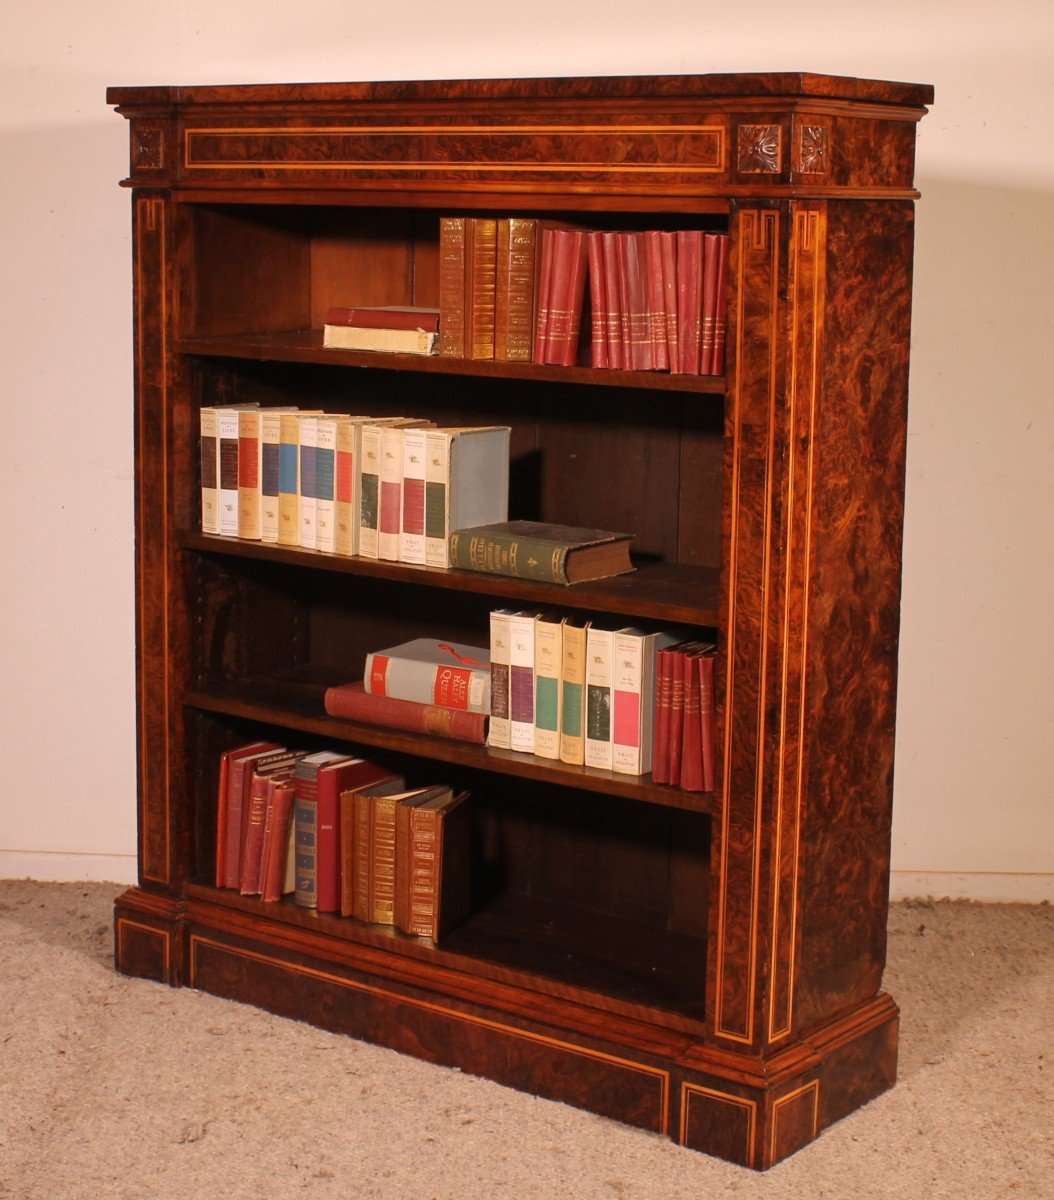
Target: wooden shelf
x: 305, y: 346
x: 299, y: 707
x: 614, y: 964
x: 657, y: 591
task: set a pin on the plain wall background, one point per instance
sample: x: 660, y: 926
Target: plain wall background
x: 973, y: 811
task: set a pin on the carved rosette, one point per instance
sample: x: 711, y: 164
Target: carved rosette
x: 811, y: 155
x: 759, y: 149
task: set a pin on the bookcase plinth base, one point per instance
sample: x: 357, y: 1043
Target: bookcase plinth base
x: 149, y: 936
x: 749, y: 1110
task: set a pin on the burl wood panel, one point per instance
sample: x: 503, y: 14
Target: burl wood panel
x: 444, y: 1032
x: 853, y: 612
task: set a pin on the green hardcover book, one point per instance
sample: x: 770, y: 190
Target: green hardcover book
x: 534, y: 550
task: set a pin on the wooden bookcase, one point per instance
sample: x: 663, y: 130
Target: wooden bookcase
x: 707, y: 967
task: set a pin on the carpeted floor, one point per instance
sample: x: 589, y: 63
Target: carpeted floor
x: 119, y: 1089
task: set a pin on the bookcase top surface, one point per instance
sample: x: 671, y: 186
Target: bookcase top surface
x: 789, y: 85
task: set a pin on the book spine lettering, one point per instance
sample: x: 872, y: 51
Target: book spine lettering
x: 306, y: 822
x: 480, y: 279
x: 519, y: 558
x: 227, y: 420
x: 500, y: 734
x: 514, y: 302
x: 391, y: 493
x: 521, y: 682
x: 598, y: 698
x: 289, y: 480
x: 452, y: 287
x: 382, y: 862
x: 369, y: 489
x: 209, y: 449
x: 437, y: 479
x: 412, y: 536
x: 325, y: 484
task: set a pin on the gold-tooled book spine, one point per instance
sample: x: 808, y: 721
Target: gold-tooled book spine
x: 452, y: 286
x: 517, y: 253
x: 481, y: 259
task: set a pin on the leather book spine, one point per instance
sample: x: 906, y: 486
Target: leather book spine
x: 516, y: 273
x: 660, y: 765
x: 481, y: 250
x: 668, y: 253
x: 408, y: 318
x: 689, y: 299
x: 599, y: 317
x: 209, y: 451
x: 351, y: 702
x: 327, y: 840
x: 362, y: 854
x: 403, y: 868
x: 505, y: 554
x: 673, y: 758
x: 382, y: 861
x: 233, y: 842
x: 692, y: 743
x: 612, y: 302
x: 711, y: 254
x: 421, y: 917
x: 653, y: 281
x: 706, y: 718
x: 250, y: 870
x: 452, y: 287
x: 635, y: 301
x: 276, y: 840
x: 717, y: 364
x: 543, y: 293
x: 453, y: 869
x: 567, y: 295
x: 221, y: 819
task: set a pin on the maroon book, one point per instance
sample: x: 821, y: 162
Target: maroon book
x: 239, y: 784
x: 668, y: 253
x: 691, y: 744
x: 352, y: 703
x: 599, y: 316
x: 653, y: 286
x: 717, y: 364
x: 660, y: 770
x: 261, y: 799
x: 711, y: 255
x: 706, y: 718
x: 636, y: 336
x: 388, y: 316
x: 332, y: 779
x: 677, y: 672
x: 612, y: 301
x: 689, y: 299
x: 276, y: 839
x: 227, y: 759
x: 544, y: 294
x: 566, y: 296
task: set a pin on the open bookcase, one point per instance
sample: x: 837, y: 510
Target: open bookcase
x: 706, y: 966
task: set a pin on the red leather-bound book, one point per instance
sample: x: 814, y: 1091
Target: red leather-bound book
x: 600, y: 318
x: 276, y: 838
x: 689, y: 299
x: 668, y: 254
x: 239, y: 782
x: 353, y: 703
x: 612, y: 301
x: 717, y: 364
x: 222, y: 802
x: 252, y: 856
x: 653, y: 281
x: 711, y: 256
x: 692, y: 744
x: 677, y: 672
x: 566, y: 297
x: 386, y: 316
x: 706, y: 718
x: 660, y: 772
x: 634, y: 297
x: 332, y: 779
x: 543, y: 294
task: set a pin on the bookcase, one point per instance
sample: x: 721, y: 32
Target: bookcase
x: 705, y: 966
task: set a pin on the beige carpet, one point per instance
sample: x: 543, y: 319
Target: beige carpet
x: 119, y: 1088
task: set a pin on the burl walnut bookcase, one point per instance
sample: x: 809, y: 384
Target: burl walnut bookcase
x: 704, y: 966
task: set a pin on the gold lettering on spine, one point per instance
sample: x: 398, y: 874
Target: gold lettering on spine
x: 806, y: 329
x: 151, y: 270
x: 758, y: 236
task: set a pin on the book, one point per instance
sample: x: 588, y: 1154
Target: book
x: 599, y: 317
x: 373, y: 861
x: 633, y: 295
x: 674, y: 752
x: 278, y: 824
x: 289, y: 479
x: 612, y: 302
x: 270, y: 472
x: 369, y: 476
x: 566, y: 295
x: 452, y: 286
x: 345, y: 515
x: 432, y: 863
x: 466, y: 483
x: 543, y: 294
x: 500, y: 734
x: 708, y: 319
x: 390, y: 475
x: 427, y: 671
x: 209, y: 451
x: 598, y: 682
x: 325, y: 482
x: 223, y: 791
x: 308, y: 432
x: 655, y: 306
x: 355, y: 855
x: 249, y: 473
x: 668, y: 254
x: 305, y: 819
x: 235, y: 818
x: 691, y: 776
x: 227, y: 460
x: 707, y: 717
x: 382, y: 341
x: 332, y: 780
x: 521, y: 682
x: 515, y: 285
x: 717, y: 360
x: 261, y: 795
x: 563, y: 554
x: 689, y: 300
x: 385, y: 316
x: 467, y: 286
x: 548, y: 663
x: 412, y: 523
x: 633, y: 698
x: 572, y: 690
x: 351, y: 702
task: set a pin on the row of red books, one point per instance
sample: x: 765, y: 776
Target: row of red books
x: 516, y: 289
x: 683, y: 753
x: 657, y: 299
x: 343, y: 835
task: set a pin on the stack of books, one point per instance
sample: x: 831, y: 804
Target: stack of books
x: 392, y: 329
x: 342, y: 835
x: 380, y: 487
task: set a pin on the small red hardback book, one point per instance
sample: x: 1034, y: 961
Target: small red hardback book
x: 692, y: 744
x: 706, y: 718
x: 276, y: 838
x: 664, y: 680
x: 689, y: 299
x: 711, y: 257
x: 239, y: 783
x: 332, y: 779
x: 566, y: 296
x: 227, y: 758
x: 389, y: 316
x: 352, y: 702
x: 600, y: 318
x: 653, y: 281
x: 612, y: 301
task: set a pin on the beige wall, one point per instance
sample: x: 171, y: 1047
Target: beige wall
x: 973, y: 792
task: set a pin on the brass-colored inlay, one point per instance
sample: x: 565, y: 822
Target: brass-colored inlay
x: 660, y: 1076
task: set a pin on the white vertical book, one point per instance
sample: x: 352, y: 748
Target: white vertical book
x: 412, y: 523
x: 521, y: 682
x: 308, y: 487
x: 390, y: 518
x: 599, y: 650
x: 548, y: 650
x: 466, y: 484
x: 369, y: 488
x: 270, y: 447
x: 325, y: 483
x: 210, y: 471
x: 500, y: 731
x: 633, y: 698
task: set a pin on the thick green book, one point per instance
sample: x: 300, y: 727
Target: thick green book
x: 534, y: 550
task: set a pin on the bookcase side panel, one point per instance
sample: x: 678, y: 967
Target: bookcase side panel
x: 163, y: 446
x: 852, y: 620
